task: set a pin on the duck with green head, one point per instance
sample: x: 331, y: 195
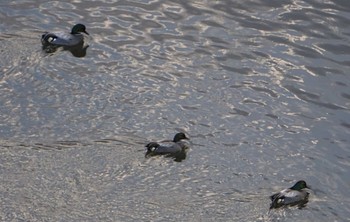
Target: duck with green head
x: 171, y: 148
x: 65, y: 39
x: 295, y: 195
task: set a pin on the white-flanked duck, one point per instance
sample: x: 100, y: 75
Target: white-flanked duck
x: 65, y: 39
x: 297, y: 195
x: 175, y: 148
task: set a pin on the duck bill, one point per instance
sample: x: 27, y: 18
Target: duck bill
x: 86, y: 33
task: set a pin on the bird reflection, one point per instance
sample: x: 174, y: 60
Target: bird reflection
x: 177, y: 157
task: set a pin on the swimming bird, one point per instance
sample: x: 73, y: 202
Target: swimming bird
x: 296, y: 195
x: 175, y: 148
x: 57, y: 39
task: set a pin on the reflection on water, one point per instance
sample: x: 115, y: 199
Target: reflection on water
x: 177, y: 157
x: 261, y: 87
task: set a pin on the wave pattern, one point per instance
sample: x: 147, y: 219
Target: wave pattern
x: 261, y: 87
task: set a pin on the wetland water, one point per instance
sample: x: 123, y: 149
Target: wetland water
x: 262, y: 88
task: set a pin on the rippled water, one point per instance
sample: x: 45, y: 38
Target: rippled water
x: 261, y: 87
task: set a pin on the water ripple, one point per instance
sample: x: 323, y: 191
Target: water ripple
x: 260, y: 87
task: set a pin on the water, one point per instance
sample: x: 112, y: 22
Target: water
x: 261, y: 87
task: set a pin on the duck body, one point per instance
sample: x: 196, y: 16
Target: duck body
x: 162, y: 149
x: 297, y: 195
x: 175, y: 148
x: 74, y: 38
x: 61, y: 39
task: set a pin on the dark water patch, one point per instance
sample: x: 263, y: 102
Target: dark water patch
x: 202, y: 51
x: 240, y: 112
x: 218, y: 40
x: 323, y: 71
x: 306, y: 52
x: 265, y: 90
x: 278, y: 39
x: 301, y: 93
x: 229, y: 56
x: 345, y: 95
x: 262, y: 25
x: 243, y: 71
x: 294, y: 77
x: 272, y: 116
x: 336, y: 48
x: 341, y: 84
x: 346, y: 125
x: 312, y: 98
x: 252, y: 101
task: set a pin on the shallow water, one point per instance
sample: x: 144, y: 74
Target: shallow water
x: 261, y: 87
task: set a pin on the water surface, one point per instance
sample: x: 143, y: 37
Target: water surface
x: 260, y: 87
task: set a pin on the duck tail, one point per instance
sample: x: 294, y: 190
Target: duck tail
x: 48, y: 38
x: 275, y: 200
x: 151, y: 146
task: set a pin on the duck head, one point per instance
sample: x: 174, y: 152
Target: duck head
x: 78, y: 28
x: 179, y: 136
x: 301, y: 184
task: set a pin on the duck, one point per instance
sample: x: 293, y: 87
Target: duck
x: 175, y: 148
x: 57, y: 39
x: 295, y: 195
